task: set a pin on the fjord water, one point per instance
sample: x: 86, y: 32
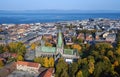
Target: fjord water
x: 19, y: 18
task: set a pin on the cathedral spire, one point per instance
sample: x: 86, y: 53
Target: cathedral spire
x: 60, y: 40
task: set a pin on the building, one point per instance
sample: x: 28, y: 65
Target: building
x: 111, y: 38
x: 28, y: 66
x: 8, y: 69
x: 48, y: 73
x: 57, y: 51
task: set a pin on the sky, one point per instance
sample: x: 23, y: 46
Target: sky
x: 60, y: 4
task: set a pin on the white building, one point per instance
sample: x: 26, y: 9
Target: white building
x: 28, y: 66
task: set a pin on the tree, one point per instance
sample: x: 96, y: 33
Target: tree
x: 64, y: 74
x: 67, y: 46
x: 45, y: 62
x: 118, y: 51
x: 103, y: 46
x: 91, y: 67
x: 20, y: 58
x: 61, y: 65
x: 116, y: 63
x: 48, y: 44
x: 39, y: 60
x: 17, y: 47
x: 80, y: 41
x: 103, y: 67
x: 110, y: 54
x: 74, y: 39
x: 98, y: 69
x: 1, y: 63
x: 91, y: 64
x: 51, y: 62
x: 76, y: 46
x: 5, y: 48
x: 79, y: 74
x: 74, y: 68
x: 1, y: 49
x: 79, y: 62
x: 33, y: 46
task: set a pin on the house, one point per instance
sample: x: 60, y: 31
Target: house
x: 8, y: 69
x: 14, y: 55
x: 28, y: 66
x: 68, y: 40
x: 105, y: 34
x: 47, y: 36
x: 80, y: 35
x: 48, y: 73
x: 89, y: 37
x: 111, y: 38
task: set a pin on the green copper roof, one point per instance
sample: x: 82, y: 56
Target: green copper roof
x: 60, y: 40
x: 48, y: 49
x: 68, y: 51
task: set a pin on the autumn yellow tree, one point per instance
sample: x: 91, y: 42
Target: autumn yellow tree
x: 37, y: 60
x: 79, y: 74
x: 5, y: 48
x: 17, y: 47
x: 48, y: 44
x: 20, y: 58
x: 33, y: 45
x: 118, y: 51
x: 13, y: 47
x: 76, y: 46
x: 116, y: 63
x: 91, y: 64
x: 51, y: 62
x: 1, y: 64
x: 91, y: 67
x: 45, y: 62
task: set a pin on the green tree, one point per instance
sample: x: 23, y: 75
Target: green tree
x: 1, y: 49
x: 74, y: 68
x: 98, y: 69
x: 103, y: 46
x: 64, y: 74
x: 17, y: 47
x: 110, y: 54
x: 61, y: 65
x: 91, y: 64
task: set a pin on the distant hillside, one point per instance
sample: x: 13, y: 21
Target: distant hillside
x: 59, y: 11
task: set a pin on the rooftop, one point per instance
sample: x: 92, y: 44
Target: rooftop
x: 47, y: 73
x: 48, y: 49
x: 68, y: 51
x: 31, y: 64
x: 60, y: 40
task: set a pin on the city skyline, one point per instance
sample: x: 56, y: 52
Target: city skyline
x: 60, y: 5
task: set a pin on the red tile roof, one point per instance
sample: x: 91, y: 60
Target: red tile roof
x: 30, y: 64
x: 48, y: 73
x: 13, y: 54
x: 1, y: 59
